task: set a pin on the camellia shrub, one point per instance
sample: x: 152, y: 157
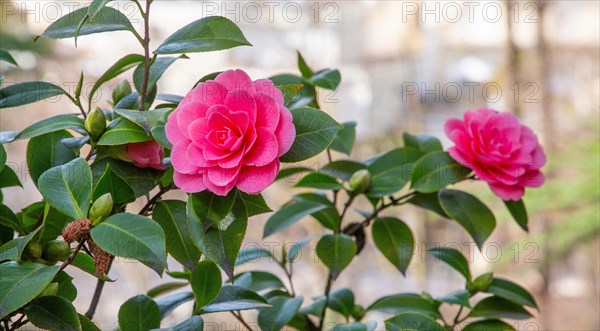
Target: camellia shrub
x: 223, y: 142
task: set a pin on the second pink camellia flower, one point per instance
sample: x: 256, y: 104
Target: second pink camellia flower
x: 229, y: 132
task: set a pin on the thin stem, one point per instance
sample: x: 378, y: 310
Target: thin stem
x: 19, y: 323
x: 153, y: 200
x: 456, y: 319
x: 146, y: 44
x: 241, y: 319
x: 71, y: 257
x: 95, y: 299
x: 288, y: 273
x: 89, y: 156
x: 326, y: 294
x: 78, y: 104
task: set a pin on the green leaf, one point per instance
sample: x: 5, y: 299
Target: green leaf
x: 147, y: 119
x: 328, y: 217
x: 342, y: 301
x: 235, y: 298
x: 303, y: 67
x: 460, y: 297
x: 327, y: 79
x: 190, y: 324
x: 251, y: 254
x: 453, y: 258
x: 411, y: 321
x: 342, y: 169
x: 169, y: 303
x: 95, y: 7
x: 68, y: 188
x: 2, y: 157
x: 87, y: 324
x: 496, y: 307
x: 55, y: 123
x: 171, y: 215
x: 117, y: 187
x: 141, y: 180
x: 336, y: 252
x: 469, y: 212
x: 289, y: 174
x: 20, y: 283
x: 85, y: 263
x: 319, y: 181
x: 53, y: 223
x: 13, y: 249
x: 8, y: 178
x: 281, y: 312
x: 344, y: 139
x: 255, y: 204
x: 217, y: 225
x: 66, y: 289
x: 315, y: 131
x: 296, y: 92
x: 172, y: 98
x: 428, y: 201
x: 139, y: 313
x: 489, y: 325
x: 435, y: 171
x: 24, y: 93
x: 123, y: 64
x: 69, y: 26
x: 47, y: 151
x: 290, y: 214
x: 8, y: 218
x: 258, y: 281
x: 122, y: 131
x: 208, y: 34
x: 394, y: 240
x: 164, y: 288
x: 7, y: 136
x: 518, y: 212
x: 6, y: 57
x: 424, y: 143
x: 133, y: 236
x: 206, y: 283
x: 391, y: 171
x: 513, y: 292
x: 157, y: 69
x: 405, y: 303
x: 53, y: 313
x: 356, y: 326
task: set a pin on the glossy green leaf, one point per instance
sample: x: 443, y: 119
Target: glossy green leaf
x: 208, y: 34
x: 53, y: 223
x: 489, y: 325
x: 344, y: 139
x: 3, y: 157
x: 424, y: 143
x: 85, y: 263
x: 8, y: 218
x: 342, y: 169
x: 123, y: 64
x: 191, y: 324
x: 428, y: 201
x: 281, y: 312
x: 342, y: 301
x: 68, y: 188
x: 469, y: 212
x: 53, y: 313
x: 55, y: 123
x: 319, y: 181
x: 296, y: 92
x: 233, y: 298
x: 141, y: 180
x: 336, y: 252
x: 356, y: 326
x: 453, y: 258
x: 460, y: 297
x: 157, y: 69
x: 29, y: 92
x: 290, y: 214
x: 206, y: 283
x: 111, y: 183
x: 391, y: 171
x: 171, y: 215
x: 511, y: 291
x: 518, y: 212
x: 258, y: 281
x: 6, y: 233
x: 8, y: 177
x: 66, y: 289
x: 394, y: 240
x: 6, y: 57
x: 255, y: 204
x: 47, y: 151
x: 405, y: 302
x: 328, y: 217
x: 122, y: 131
x: 147, y: 119
x: 13, y: 249
x: 165, y: 288
x: 303, y: 67
x: 169, y: 303
x: 435, y: 171
x: 327, y: 79
x: 20, y: 283
x: 87, y: 324
x: 95, y: 7
x: 411, y: 321
x: 315, y: 131
x: 139, y: 313
x: 69, y: 26
x: 291, y: 174
x: 252, y: 255
x: 132, y: 236
x: 496, y: 307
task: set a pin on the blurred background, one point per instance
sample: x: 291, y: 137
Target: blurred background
x: 406, y: 66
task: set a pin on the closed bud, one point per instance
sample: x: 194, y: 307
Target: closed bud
x: 118, y: 152
x: 360, y: 181
x: 50, y: 290
x: 101, y: 208
x: 358, y: 312
x: 35, y: 250
x: 481, y: 283
x: 122, y: 90
x: 95, y: 123
x: 56, y: 250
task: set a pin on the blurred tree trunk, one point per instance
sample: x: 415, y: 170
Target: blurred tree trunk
x: 514, y: 59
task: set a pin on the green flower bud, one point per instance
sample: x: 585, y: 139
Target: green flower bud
x: 35, y: 250
x: 101, y: 208
x: 95, y: 123
x: 358, y: 312
x: 56, y: 250
x: 360, y: 181
x: 51, y: 289
x: 122, y: 90
x: 481, y: 283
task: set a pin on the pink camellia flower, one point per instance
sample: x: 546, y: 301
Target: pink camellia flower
x: 229, y: 132
x: 500, y: 150
x: 147, y: 154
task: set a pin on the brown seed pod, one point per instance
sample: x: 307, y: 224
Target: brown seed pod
x: 77, y: 230
x: 101, y: 258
